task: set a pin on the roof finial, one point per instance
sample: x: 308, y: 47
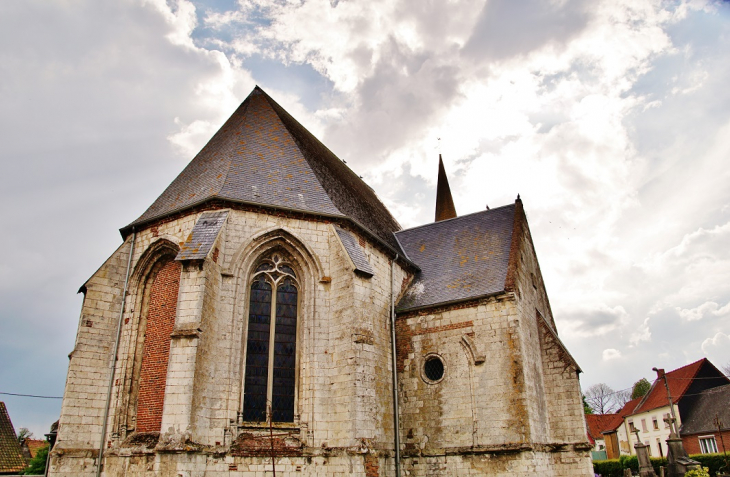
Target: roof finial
x: 518, y: 198
x: 444, y: 202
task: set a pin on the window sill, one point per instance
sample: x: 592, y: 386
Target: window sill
x: 259, y: 426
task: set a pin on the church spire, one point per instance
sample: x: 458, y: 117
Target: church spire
x: 444, y: 202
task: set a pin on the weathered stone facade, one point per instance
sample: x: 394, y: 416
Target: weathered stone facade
x: 508, y: 402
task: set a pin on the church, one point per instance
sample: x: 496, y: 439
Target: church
x: 267, y: 315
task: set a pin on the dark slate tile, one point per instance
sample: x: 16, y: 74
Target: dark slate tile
x: 203, y: 236
x: 461, y: 258
x: 355, y: 251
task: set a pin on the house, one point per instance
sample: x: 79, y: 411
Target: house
x: 648, y: 414
x: 701, y: 432
x: 616, y: 432
x: 11, y: 456
x: 267, y: 312
x: 30, y: 447
x: 597, y: 424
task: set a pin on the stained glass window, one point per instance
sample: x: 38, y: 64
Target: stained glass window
x: 272, y: 330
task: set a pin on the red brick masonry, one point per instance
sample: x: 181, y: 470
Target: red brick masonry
x: 156, y: 351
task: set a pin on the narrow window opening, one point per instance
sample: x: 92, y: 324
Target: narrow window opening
x: 270, y: 374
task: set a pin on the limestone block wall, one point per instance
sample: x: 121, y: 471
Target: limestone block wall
x: 475, y: 404
x: 88, y: 373
x: 551, y: 376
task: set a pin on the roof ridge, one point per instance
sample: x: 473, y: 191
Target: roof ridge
x: 276, y: 106
x: 244, y: 105
x: 454, y: 218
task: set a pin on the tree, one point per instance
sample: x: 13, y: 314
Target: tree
x: 640, y: 389
x: 622, y: 397
x: 726, y: 369
x: 601, y: 398
x: 38, y: 463
x: 586, y: 408
x: 23, y: 434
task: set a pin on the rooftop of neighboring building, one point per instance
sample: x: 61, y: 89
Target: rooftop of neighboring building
x: 11, y: 455
x: 597, y: 424
x: 618, y: 418
x: 709, y: 405
x: 34, y: 445
x: 679, y: 381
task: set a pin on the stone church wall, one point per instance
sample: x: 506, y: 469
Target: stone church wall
x: 344, y: 403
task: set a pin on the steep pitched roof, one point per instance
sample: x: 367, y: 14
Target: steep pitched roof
x: 597, y: 424
x: 11, y: 455
x: 263, y: 156
x: 618, y: 418
x: 678, y: 380
x: 711, y: 403
x: 461, y: 258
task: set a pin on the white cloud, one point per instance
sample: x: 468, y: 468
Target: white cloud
x: 717, y: 349
x: 708, y: 308
x: 610, y: 353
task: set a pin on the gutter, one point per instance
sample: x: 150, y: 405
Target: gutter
x: 394, y: 362
x: 113, y: 360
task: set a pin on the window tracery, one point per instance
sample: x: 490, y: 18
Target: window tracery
x: 270, y: 373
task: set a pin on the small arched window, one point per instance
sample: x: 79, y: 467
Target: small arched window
x: 269, y: 382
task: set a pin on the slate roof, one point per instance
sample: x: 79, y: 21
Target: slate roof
x: 355, y: 251
x: 263, y: 156
x: 709, y: 404
x: 203, y: 235
x: 679, y: 380
x: 461, y: 258
x: 597, y: 424
x: 11, y: 455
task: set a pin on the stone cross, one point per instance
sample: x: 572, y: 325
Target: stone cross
x: 671, y: 421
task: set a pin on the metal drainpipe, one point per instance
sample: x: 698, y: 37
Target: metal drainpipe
x: 113, y: 362
x: 396, y: 418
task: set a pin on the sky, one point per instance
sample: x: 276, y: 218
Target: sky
x: 610, y: 118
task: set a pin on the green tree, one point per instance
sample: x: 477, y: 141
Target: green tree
x: 586, y: 408
x: 641, y: 387
x: 38, y: 463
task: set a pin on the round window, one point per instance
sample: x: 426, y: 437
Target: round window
x: 433, y: 368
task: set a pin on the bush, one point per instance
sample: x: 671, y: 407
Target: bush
x: 38, y: 463
x: 608, y: 468
x: 703, y: 472
x: 714, y: 462
x: 615, y: 467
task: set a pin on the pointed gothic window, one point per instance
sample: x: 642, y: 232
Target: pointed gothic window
x: 269, y: 382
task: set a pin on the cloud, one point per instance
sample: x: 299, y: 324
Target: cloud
x: 699, y: 312
x: 610, y: 353
x: 717, y: 349
x: 596, y: 321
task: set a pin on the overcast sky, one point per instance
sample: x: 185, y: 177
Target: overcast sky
x: 610, y: 118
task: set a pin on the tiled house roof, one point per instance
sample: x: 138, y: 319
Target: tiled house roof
x: 618, y: 418
x: 34, y: 445
x: 11, y: 455
x: 711, y: 403
x: 679, y: 381
x: 597, y: 424
x: 460, y: 258
x: 262, y: 156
